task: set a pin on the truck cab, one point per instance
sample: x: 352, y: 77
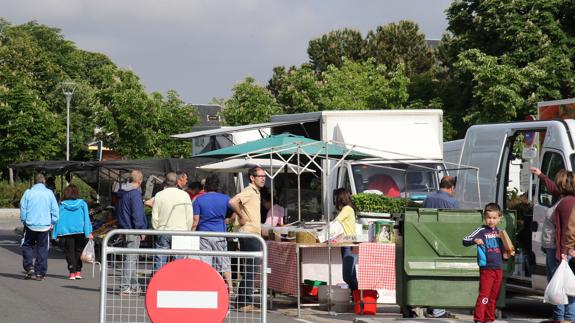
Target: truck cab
x: 413, y: 179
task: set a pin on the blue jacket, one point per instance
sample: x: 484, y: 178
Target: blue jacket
x: 440, y: 200
x: 38, y: 208
x: 489, y: 254
x: 130, y: 208
x: 74, y: 219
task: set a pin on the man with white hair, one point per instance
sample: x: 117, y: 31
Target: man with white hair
x: 38, y: 212
x: 172, y: 210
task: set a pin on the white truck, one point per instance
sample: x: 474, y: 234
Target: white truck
x: 548, y: 144
x: 408, y: 144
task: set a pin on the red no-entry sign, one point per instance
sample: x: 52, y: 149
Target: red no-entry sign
x: 187, y: 290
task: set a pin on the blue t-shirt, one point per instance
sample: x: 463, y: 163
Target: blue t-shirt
x: 489, y: 255
x: 440, y: 200
x: 213, y: 208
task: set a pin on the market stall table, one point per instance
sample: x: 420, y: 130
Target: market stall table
x: 291, y: 263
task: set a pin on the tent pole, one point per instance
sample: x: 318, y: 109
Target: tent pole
x: 298, y: 187
x: 285, y: 193
x: 272, y: 183
x: 328, y: 220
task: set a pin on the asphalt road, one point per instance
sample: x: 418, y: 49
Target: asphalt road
x: 58, y: 299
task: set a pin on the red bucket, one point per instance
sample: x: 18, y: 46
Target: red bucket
x: 367, y: 305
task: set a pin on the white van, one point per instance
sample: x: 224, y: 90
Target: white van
x: 490, y: 148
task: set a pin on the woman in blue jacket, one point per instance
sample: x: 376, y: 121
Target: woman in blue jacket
x: 73, y: 227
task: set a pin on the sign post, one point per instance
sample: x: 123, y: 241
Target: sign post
x: 187, y: 290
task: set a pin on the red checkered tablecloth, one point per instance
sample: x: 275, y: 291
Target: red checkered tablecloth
x: 376, y: 266
x: 283, y: 263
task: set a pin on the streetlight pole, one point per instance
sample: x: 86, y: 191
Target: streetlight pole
x: 68, y: 90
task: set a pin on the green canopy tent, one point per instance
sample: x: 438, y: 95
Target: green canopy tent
x: 286, y: 144
x: 290, y: 149
x: 287, y: 147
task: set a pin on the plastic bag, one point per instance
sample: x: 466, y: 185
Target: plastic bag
x: 569, y: 283
x: 555, y: 291
x: 88, y: 254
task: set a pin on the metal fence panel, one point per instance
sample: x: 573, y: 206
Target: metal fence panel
x: 124, y: 263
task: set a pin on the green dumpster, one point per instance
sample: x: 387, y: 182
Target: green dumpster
x: 433, y: 267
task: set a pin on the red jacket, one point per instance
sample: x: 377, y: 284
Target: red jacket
x: 561, y: 221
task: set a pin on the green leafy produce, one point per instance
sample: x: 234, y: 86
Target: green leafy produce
x: 369, y: 202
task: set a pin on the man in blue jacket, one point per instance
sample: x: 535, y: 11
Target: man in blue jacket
x: 38, y: 212
x: 130, y: 211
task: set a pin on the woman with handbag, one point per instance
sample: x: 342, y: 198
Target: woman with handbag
x: 73, y: 227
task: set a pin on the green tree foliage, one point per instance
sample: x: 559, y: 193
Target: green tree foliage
x: 28, y: 130
x: 363, y: 86
x: 497, y: 87
x: 34, y: 61
x: 504, y: 56
x: 354, y: 85
x: 250, y: 103
x: 297, y: 90
x: 400, y: 43
x: 331, y: 48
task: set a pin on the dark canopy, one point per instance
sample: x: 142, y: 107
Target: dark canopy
x: 101, y: 175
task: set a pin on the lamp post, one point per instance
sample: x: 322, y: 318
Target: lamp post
x: 68, y: 90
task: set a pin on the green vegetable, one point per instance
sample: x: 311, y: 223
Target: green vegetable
x: 369, y: 202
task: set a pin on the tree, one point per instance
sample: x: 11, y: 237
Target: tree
x: 528, y: 46
x: 176, y: 117
x: 250, y: 103
x: 297, y: 90
x: 362, y: 86
x: 34, y: 61
x: 332, y: 47
x: 497, y: 88
x: 28, y: 130
x: 400, y: 43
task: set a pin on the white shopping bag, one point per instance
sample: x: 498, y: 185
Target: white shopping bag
x: 335, y: 230
x: 88, y: 254
x: 569, y: 282
x: 555, y: 292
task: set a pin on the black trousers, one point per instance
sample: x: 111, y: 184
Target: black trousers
x: 73, y: 246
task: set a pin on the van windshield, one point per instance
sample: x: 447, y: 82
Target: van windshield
x: 414, y: 181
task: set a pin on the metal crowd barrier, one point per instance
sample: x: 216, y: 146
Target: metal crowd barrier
x: 116, y: 306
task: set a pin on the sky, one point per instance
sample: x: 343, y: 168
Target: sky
x: 202, y: 48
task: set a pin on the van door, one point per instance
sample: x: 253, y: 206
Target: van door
x: 555, y: 153
x: 551, y: 162
x: 480, y: 158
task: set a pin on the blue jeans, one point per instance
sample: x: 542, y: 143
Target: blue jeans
x: 161, y: 242
x: 39, y: 241
x: 560, y: 312
x: 348, y: 262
